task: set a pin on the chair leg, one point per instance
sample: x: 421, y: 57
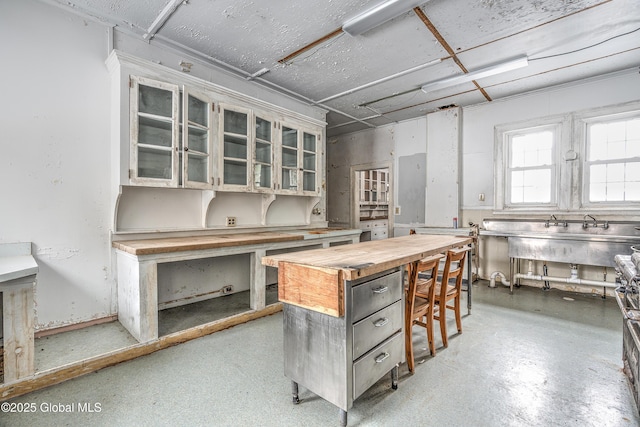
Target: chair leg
x: 408, y: 344
x: 432, y: 346
x: 443, y: 324
x: 457, y: 311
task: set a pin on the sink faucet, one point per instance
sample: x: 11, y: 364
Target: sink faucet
x: 585, y: 224
x: 553, y: 218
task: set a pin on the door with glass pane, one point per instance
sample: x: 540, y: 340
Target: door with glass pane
x: 195, y: 141
x: 289, y: 159
x: 154, y: 132
x: 235, y: 147
x: 310, y: 156
x: 263, y: 154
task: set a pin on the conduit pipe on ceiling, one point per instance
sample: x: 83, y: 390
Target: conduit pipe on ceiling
x: 382, y: 80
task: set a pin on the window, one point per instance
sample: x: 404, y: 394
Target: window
x: 531, y: 167
x: 527, y: 169
x: 584, y: 161
x: 612, y: 166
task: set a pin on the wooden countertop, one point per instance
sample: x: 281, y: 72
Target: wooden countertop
x: 190, y: 243
x: 179, y: 244
x: 366, y: 258
x: 314, y: 279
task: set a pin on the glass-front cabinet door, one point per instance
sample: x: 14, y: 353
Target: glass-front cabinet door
x: 289, y: 159
x: 235, y: 147
x: 299, y: 156
x: 309, y: 162
x: 154, y: 132
x: 195, y: 141
x: 263, y: 154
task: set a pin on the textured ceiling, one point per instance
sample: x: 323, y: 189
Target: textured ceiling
x: 564, y: 40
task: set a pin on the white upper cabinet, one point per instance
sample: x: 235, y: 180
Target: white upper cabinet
x: 263, y: 154
x: 298, y: 160
x: 154, y: 132
x: 170, y: 135
x: 310, y: 165
x: 177, y: 131
x: 196, y: 140
x: 235, y: 153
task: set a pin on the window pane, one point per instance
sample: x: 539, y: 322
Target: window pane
x: 198, y: 111
x: 614, y: 182
x: 616, y: 150
x: 615, y: 172
x: 598, y: 147
x: 632, y: 191
x: 598, y: 173
x: 263, y: 129
x: 289, y: 137
x: 531, y: 186
x: 153, y: 100
x: 615, y: 191
x: 598, y: 192
x: 633, y: 147
x: 235, y: 122
x: 632, y: 171
x: 616, y: 140
x: 537, y: 184
x: 517, y: 178
x: 309, y: 142
x: 534, y: 149
x: 616, y: 131
x: 263, y: 152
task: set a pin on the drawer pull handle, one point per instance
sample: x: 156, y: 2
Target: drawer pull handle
x: 382, y: 357
x: 381, y: 290
x: 381, y: 322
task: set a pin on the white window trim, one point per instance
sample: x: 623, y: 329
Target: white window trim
x: 571, y: 153
x: 581, y: 121
x: 561, y: 126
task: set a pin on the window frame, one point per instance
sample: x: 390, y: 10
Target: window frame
x: 572, y: 185
x: 583, y: 121
x: 502, y: 149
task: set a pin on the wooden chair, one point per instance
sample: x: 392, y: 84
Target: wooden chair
x: 445, y: 292
x: 419, y: 310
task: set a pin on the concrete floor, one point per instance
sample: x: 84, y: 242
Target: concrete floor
x: 534, y: 358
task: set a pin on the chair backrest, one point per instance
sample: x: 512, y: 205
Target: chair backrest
x: 429, y: 264
x: 453, y: 271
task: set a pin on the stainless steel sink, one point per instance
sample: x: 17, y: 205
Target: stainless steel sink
x: 566, y: 241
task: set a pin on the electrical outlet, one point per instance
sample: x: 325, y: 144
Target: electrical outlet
x: 231, y: 221
x: 227, y: 289
x: 397, y: 210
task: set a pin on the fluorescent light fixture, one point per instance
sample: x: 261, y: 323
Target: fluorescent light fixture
x: 378, y: 15
x: 503, y: 67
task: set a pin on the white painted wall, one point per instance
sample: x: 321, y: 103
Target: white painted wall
x: 54, y: 166
x: 55, y: 163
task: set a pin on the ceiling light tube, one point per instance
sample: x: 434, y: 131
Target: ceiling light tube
x: 378, y: 15
x: 503, y: 67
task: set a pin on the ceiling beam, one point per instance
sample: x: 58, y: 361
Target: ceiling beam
x: 427, y: 22
x: 310, y: 46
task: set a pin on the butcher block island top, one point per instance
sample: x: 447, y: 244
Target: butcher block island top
x: 314, y: 279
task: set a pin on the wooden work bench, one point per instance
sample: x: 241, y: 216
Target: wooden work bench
x: 343, y: 314
x: 137, y: 266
